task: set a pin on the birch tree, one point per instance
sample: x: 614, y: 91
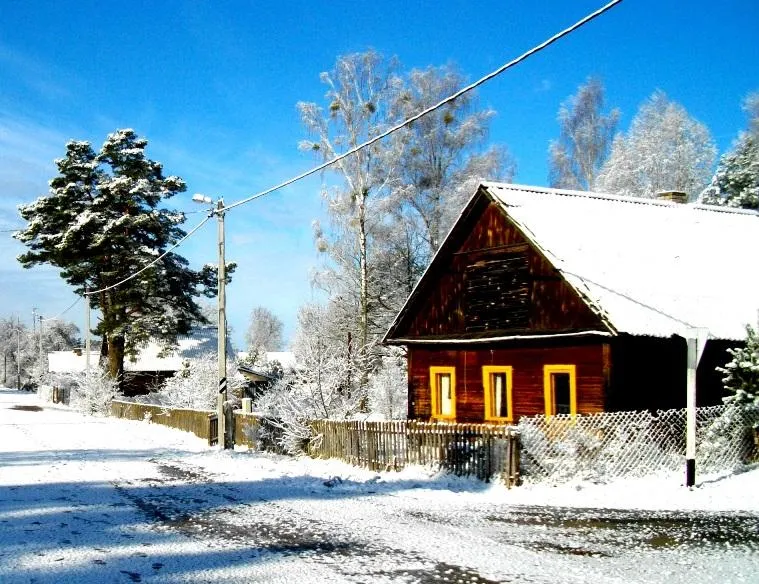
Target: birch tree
x: 264, y: 333
x: 443, y: 159
x: 665, y: 149
x: 358, y: 95
x: 576, y: 157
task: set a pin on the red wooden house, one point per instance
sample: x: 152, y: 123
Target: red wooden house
x: 551, y: 301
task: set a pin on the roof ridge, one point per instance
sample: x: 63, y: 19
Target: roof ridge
x: 618, y: 198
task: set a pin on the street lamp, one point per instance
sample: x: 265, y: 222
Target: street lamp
x: 18, y: 357
x: 222, y: 327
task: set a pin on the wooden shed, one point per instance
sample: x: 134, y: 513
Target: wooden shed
x: 552, y: 301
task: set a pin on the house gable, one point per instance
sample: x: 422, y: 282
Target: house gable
x: 489, y: 280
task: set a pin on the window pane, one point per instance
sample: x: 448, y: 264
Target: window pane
x: 561, y: 400
x: 499, y: 405
x: 445, y: 394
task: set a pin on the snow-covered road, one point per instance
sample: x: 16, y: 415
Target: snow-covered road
x: 101, y: 500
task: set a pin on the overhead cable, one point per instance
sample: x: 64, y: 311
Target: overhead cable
x: 60, y: 314
x: 155, y: 261
x: 371, y: 141
x: 430, y: 109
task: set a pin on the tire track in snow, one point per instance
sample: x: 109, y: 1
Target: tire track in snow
x: 199, y: 505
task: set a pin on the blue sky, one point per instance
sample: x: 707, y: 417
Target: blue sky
x: 213, y: 87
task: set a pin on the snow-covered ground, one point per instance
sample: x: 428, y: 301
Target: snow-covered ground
x: 87, y: 499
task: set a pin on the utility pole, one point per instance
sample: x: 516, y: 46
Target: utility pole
x: 18, y: 352
x: 221, y: 349
x: 87, y: 330
x: 222, y: 331
x: 42, y: 354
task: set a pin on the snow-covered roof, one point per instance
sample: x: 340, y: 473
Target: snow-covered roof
x: 285, y: 358
x: 200, y: 341
x: 69, y: 361
x: 649, y: 267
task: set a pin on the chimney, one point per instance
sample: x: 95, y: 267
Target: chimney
x: 674, y: 196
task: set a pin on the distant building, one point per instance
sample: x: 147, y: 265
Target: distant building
x: 151, y: 366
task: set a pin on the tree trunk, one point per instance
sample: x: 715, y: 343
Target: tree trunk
x: 116, y: 358
x: 364, y: 289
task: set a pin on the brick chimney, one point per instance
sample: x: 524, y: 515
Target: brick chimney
x: 674, y: 196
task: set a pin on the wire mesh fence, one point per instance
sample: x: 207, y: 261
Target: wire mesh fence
x: 611, y: 445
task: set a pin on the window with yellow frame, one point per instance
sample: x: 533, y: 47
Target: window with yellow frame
x: 443, y: 389
x: 560, y: 389
x: 496, y: 381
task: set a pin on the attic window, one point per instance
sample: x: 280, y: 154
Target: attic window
x: 497, y: 293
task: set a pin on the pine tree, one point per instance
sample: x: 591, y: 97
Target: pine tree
x: 742, y: 372
x: 101, y: 222
x: 575, y: 159
x: 736, y: 182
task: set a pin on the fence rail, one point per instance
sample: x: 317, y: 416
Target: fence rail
x: 478, y: 450
x: 613, y: 445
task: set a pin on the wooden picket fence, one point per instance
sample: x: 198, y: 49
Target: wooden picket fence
x: 196, y: 421
x: 481, y: 450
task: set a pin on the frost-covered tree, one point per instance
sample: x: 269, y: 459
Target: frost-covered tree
x: 742, y: 372
x: 102, y: 221
x: 664, y: 150
x: 92, y: 391
x: 359, y: 92
x: 586, y: 135
x: 59, y: 335
x: 53, y: 335
x: 264, y: 333
x: 195, y: 385
x: 736, y: 182
x: 394, y: 201
x: 19, y: 352
x: 440, y: 158
x: 318, y: 387
x: 388, y: 387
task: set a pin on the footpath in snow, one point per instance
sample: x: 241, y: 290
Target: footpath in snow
x: 86, y: 499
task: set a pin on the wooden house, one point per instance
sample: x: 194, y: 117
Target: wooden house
x: 551, y: 301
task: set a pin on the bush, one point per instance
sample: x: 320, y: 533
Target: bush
x: 92, y: 392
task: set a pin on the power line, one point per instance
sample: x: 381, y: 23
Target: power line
x: 60, y: 314
x: 430, y: 109
x: 371, y: 141
x: 155, y: 261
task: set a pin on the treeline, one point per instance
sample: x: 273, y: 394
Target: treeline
x: 25, y: 349
x: 664, y: 149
